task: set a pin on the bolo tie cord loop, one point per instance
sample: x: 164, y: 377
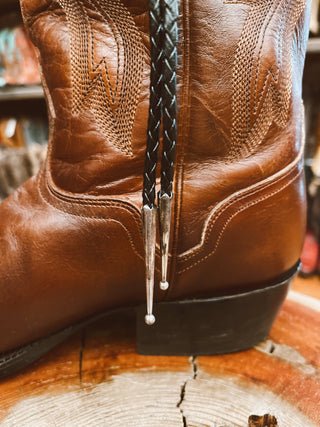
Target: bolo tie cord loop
x: 163, y: 15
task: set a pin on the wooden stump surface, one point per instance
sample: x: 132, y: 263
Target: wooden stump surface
x: 96, y: 378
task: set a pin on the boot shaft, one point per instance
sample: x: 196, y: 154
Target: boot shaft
x: 239, y: 79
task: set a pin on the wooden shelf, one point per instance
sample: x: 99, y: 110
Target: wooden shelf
x: 8, y: 2
x: 313, y: 45
x: 21, y: 92
x: 7, y: 5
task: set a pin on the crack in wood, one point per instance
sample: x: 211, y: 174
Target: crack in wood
x: 195, y: 367
x: 289, y: 355
x: 193, y: 361
x: 182, y: 394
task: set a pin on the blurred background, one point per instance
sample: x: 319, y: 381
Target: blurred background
x: 23, y: 113
x: 24, y: 123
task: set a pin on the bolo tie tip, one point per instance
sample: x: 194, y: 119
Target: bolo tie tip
x: 149, y: 319
x: 164, y: 285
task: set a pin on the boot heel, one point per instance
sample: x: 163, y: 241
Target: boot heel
x: 211, y: 326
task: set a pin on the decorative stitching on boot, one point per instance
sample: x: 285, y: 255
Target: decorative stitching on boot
x: 254, y: 110
x: 103, y: 202
x: 233, y: 198
x: 254, y: 202
x: 113, y: 97
x: 101, y: 218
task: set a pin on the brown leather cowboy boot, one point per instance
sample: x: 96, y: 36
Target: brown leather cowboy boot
x: 71, y: 237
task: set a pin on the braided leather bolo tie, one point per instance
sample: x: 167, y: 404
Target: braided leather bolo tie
x: 163, y: 15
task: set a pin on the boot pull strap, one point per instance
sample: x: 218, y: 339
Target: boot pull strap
x: 163, y: 15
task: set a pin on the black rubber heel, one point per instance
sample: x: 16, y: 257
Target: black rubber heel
x: 212, y: 326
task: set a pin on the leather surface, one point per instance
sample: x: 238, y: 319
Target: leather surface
x: 71, y: 242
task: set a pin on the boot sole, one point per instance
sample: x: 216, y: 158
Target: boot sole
x: 218, y: 325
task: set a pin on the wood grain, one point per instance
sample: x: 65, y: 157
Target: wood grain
x: 96, y: 378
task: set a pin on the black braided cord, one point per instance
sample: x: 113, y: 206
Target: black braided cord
x: 155, y: 106
x: 169, y: 11
x: 163, y: 15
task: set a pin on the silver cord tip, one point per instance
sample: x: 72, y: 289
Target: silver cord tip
x: 149, y: 319
x: 149, y: 216
x: 164, y: 285
x: 165, y: 212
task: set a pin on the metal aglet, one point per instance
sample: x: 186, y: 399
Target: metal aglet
x: 165, y: 212
x: 149, y: 221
